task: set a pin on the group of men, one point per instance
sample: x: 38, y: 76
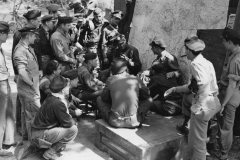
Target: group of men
x: 58, y: 66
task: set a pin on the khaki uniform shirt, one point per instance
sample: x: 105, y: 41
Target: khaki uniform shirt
x: 60, y: 43
x: 231, y: 69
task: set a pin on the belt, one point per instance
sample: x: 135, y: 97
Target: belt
x: 123, y: 118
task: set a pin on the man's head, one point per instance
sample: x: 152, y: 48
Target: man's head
x: 92, y: 59
x: 91, y: 46
x: 98, y: 15
x: 4, y: 30
x: 118, y: 66
x: 158, y: 45
x: 80, y: 18
x: 120, y: 41
x: 60, y: 85
x: 33, y: 17
x: 54, y: 10
x: 48, y: 21
x: 194, y: 46
x: 157, y: 67
x: 230, y: 38
x: 65, y: 23
x: 79, y: 55
x: 73, y: 76
x: 53, y: 68
x: 29, y: 33
x: 116, y: 17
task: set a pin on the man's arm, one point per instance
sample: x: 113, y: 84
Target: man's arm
x: 59, y: 53
x: 63, y: 117
x: 88, y: 79
x: 105, y: 95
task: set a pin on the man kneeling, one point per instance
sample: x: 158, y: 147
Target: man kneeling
x: 125, y: 100
x: 53, y: 127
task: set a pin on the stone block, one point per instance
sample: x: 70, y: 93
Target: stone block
x: 157, y: 139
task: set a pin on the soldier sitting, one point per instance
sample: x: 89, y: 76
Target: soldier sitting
x: 125, y: 100
x: 89, y: 88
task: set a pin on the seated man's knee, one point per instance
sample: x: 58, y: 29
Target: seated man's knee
x: 73, y: 130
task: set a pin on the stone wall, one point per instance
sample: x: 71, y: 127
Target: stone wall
x: 173, y: 21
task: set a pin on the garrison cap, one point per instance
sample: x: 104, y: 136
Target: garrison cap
x: 4, y: 26
x: 194, y: 43
x: 32, y: 14
x: 90, y: 56
x: 48, y: 18
x: 119, y: 39
x: 28, y: 28
x: 65, y: 19
x: 78, y: 51
x: 230, y: 34
x: 119, y: 14
x: 97, y: 11
x: 158, y: 42
x: 71, y: 74
x: 53, y: 8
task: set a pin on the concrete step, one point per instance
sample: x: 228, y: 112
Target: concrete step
x: 158, y: 139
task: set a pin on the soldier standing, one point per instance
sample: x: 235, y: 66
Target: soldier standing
x: 60, y: 42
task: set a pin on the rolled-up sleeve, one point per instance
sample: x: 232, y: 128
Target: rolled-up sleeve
x: 234, y: 70
x: 20, y: 59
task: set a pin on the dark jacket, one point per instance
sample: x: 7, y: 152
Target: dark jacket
x: 132, y: 53
x: 52, y: 113
x: 42, y: 45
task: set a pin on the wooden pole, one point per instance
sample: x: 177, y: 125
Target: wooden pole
x: 237, y: 19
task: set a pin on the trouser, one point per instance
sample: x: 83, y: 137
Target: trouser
x: 124, y: 122
x: 18, y: 112
x: 56, y: 135
x: 186, y: 104
x: 225, y: 129
x: 7, y: 119
x: 197, y: 137
x: 30, y: 102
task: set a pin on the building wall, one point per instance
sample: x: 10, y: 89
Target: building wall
x: 173, y: 21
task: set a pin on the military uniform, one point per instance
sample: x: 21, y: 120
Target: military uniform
x: 25, y: 58
x: 7, y: 118
x: 231, y: 70
x: 60, y: 42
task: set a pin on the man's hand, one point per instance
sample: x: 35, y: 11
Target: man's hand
x: 170, y: 74
x: 222, y: 109
x: 169, y: 91
x: 78, y: 112
x: 40, y: 73
x: 105, y: 60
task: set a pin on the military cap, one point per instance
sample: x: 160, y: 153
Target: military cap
x: 71, y: 74
x: 230, y: 34
x: 79, y: 16
x: 89, y: 44
x: 28, y: 28
x: 52, y: 66
x: 158, y: 42
x: 90, y: 56
x: 78, y: 51
x: 97, y: 11
x: 119, y: 39
x: 64, y: 20
x: 58, y: 83
x: 53, y: 8
x: 194, y: 43
x: 118, y: 14
x: 48, y: 18
x: 4, y: 26
x: 119, y: 65
x: 32, y: 14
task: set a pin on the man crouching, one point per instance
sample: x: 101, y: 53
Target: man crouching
x: 125, y: 100
x: 53, y: 127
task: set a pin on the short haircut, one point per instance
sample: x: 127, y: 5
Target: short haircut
x: 25, y: 34
x: 234, y: 40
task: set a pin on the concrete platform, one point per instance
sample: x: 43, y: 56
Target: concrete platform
x: 158, y: 139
